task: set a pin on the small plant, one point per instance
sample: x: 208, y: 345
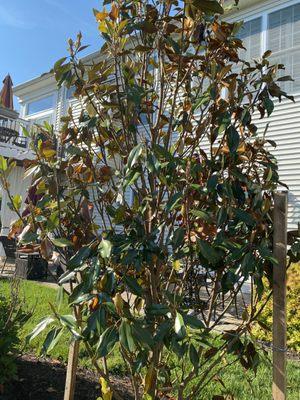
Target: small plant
x: 263, y: 328
x: 12, y: 318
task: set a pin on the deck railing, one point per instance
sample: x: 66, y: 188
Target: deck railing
x: 11, y: 132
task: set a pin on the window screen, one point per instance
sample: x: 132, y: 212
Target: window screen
x: 70, y: 93
x: 283, y: 38
x: 250, y: 33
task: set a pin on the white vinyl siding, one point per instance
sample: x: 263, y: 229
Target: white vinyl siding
x: 284, y: 129
x: 281, y: 34
x: 77, y: 108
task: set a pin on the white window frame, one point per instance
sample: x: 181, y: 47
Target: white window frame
x: 41, y: 97
x: 44, y: 113
x: 263, y: 13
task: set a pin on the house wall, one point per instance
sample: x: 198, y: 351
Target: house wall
x: 284, y: 124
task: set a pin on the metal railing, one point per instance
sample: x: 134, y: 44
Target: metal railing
x: 11, y: 132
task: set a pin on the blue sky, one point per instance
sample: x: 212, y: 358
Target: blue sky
x: 34, y: 33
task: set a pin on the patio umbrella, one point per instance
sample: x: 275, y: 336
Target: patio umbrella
x: 6, y: 94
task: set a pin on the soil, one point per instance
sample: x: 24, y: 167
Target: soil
x: 45, y: 380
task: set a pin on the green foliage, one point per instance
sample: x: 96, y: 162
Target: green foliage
x: 156, y: 123
x: 263, y: 329
x: 12, y: 318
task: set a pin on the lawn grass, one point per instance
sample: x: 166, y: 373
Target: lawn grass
x: 250, y: 387
x: 37, y: 297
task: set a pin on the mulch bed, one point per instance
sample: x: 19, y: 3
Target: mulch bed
x: 45, y: 380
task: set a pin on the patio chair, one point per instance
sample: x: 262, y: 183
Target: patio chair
x: 10, y: 248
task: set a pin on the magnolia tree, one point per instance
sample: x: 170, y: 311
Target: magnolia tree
x: 166, y: 154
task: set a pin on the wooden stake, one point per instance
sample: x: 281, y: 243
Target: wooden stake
x: 279, y: 296
x: 71, y: 370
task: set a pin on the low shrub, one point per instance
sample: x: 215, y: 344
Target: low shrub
x: 12, y: 318
x: 263, y: 330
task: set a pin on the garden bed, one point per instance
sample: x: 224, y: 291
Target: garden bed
x: 45, y: 380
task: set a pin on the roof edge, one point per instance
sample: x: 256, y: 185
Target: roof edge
x: 242, y: 5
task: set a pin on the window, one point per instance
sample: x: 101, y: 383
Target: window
x: 42, y: 104
x: 251, y: 34
x: 283, y: 38
x: 70, y: 93
x: 278, y: 31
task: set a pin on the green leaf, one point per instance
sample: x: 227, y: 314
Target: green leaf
x: 69, y: 321
x: 147, y: 396
x: 286, y: 78
x: 158, y: 309
x: 246, y: 117
x: 212, y: 182
x: 25, y: 132
x: 179, y: 326
x: 173, y: 201
x: 244, y: 217
x: 61, y: 242
x: 143, y: 335
x: 201, y: 214
x: 153, y: 164
x: 3, y: 164
x: 79, y: 258
x: 210, y: 6
x: 105, y: 248
x: 269, y: 106
x: 192, y: 321
x: 51, y: 340
x: 267, y: 254
x: 162, y: 153
x: 133, y: 285
x: 248, y: 263
x: 229, y: 279
x: 82, y: 298
x: 131, y: 177
x: 233, y: 139
x: 209, y: 252
x: 66, y: 277
x: 221, y: 216
x: 204, y: 99
x: 194, y: 357
x: 134, y: 155
x: 96, y: 322
x: 126, y: 339
x: 163, y: 330
x: 29, y: 237
x: 237, y: 27
x: 16, y: 202
x: 107, y: 341
x: 39, y: 328
x: 59, y: 62
x: 178, y: 237
x: 60, y: 296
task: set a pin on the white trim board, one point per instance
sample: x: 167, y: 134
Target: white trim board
x: 259, y: 9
